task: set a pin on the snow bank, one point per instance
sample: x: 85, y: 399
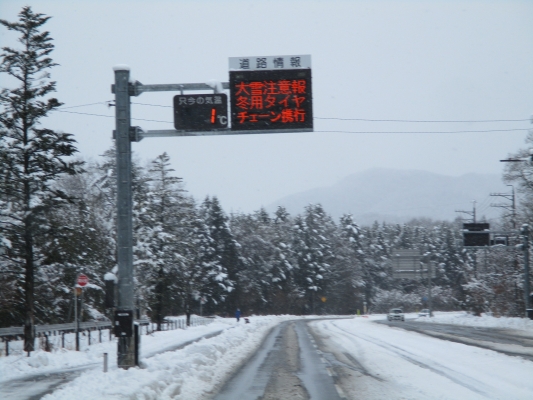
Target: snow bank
x: 18, y: 365
x: 189, y: 373
x: 487, y: 321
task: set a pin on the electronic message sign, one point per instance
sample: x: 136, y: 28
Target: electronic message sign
x: 476, y: 235
x: 271, y: 93
x: 200, y: 112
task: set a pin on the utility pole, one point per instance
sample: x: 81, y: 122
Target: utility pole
x: 527, y: 297
x: 471, y: 213
x: 525, y: 237
x: 430, y: 271
x: 509, y: 207
x: 126, y: 343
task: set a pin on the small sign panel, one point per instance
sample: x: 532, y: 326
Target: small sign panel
x: 262, y: 63
x: 82, y: 280
x: 200, y: 112
x: 271, y: 99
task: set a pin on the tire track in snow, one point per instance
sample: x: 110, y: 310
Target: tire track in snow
x: 467, y: 382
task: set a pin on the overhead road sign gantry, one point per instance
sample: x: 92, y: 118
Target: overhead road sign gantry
x: 287, y: 99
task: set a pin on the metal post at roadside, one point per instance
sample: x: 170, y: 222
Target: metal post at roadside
x: 126, y: 343
x: 527, y: 302
x: 430, y: 270
x: 105, y: 362
x: 76, y: 322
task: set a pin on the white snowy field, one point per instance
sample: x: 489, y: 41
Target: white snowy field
x: 395, y: 364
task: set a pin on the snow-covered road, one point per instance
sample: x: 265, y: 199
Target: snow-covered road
x: 377, y: 362
x: 368, y: 360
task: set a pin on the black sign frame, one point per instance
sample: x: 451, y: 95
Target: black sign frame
x: 271, y: 99
x: 200, y: 112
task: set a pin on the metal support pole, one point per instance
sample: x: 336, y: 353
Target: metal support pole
x: 76, y: 322
x: 126, y: 345
x: 105, y: 362
x: 525, y: 237
x: 429, y: 288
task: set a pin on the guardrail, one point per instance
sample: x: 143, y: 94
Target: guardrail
x: 16, y: 333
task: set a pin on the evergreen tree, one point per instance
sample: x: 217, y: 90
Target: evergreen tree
x: 227, y: 252
x: 349, y: 282
x: 159, y: 248
x: 204, y: 278
x: 80, y: 243
x: 287, y: 296
x: 313, y: 235
x: 33, y: 158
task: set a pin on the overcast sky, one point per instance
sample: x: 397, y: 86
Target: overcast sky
x: 402, y: 60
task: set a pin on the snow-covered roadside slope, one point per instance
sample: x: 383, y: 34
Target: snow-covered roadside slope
x: 189, y: 373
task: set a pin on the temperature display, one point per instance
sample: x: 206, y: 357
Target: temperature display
x: 200, y: 112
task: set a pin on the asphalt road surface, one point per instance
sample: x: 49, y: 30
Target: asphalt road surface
x: 288, y: 365
x: 507, y: 341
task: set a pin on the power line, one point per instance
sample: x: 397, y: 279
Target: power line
x: 422, y: 121
x: 62, y: 109
x: 82, y: 113
x: 332, y: 118
x: 466, y: 131
x: 371, y: 132
x: 82, y: 105
x: 385, y: 120
x: 112, y: 116
x: 151, y: 105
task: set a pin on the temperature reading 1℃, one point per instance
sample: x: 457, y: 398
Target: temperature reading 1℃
x: 200, y: 112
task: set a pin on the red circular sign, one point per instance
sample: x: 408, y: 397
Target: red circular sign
x: 82, y: 280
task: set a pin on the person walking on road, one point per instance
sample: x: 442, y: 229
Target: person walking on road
x: 238, y: 314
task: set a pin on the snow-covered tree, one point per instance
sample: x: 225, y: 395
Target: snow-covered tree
x: 348, y: 283
x: 33, y: 158
x: 159, y: 246
x: 313, y: 247
x: 226, y: 251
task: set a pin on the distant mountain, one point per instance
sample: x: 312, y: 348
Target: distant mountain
x: 396, y: 196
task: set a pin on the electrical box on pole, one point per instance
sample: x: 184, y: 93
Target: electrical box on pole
x: 124, y: 323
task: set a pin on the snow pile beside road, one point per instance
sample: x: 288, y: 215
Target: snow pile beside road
x: 188, y: 373
x: 487, y: 321
x: 17, y: 365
